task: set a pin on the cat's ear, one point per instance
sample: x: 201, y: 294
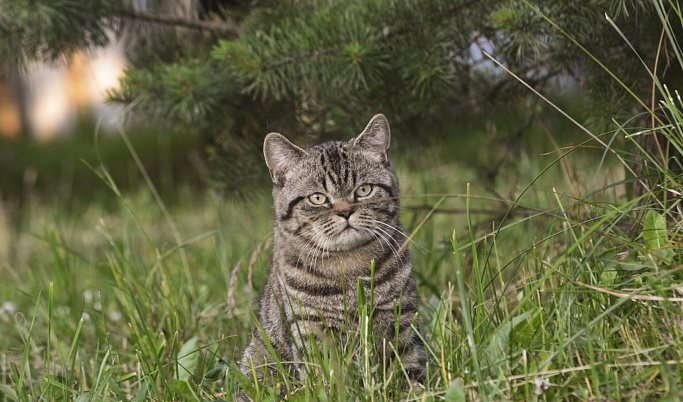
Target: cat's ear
x: 280, y: 155
x: 375, y: 138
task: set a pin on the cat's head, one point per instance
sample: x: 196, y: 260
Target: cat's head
x: 337, y: 195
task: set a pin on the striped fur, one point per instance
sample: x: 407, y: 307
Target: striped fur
x: 320, y: 251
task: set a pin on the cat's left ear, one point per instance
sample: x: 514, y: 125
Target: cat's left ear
x: 280, y: 155
x: 375, y: 138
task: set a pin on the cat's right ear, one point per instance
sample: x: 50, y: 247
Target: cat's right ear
x: 280, y: 155
x: 375, y: 139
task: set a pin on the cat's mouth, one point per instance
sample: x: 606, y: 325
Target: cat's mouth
x: 345, y: 228
x: 345, y: 238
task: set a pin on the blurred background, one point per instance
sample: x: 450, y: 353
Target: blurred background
x: 197, y: 84
x: 49, y: 101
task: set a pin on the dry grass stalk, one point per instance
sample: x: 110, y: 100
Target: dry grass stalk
x: 232, y: 288
x: 631, y: 295
x: 252, y: 263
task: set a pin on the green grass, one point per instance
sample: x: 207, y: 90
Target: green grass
x: 555, y: 301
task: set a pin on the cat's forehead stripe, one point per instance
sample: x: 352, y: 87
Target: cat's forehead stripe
x: 334, y: 161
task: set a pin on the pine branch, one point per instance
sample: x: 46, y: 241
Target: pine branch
x: 294, y: 59
x: 432, y: 19
x: 391, y: 35
x: 11, y: 31
x: 221, y: 28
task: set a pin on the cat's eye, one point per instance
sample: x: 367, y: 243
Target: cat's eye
x: 363, y: 190
x: 317, y: 198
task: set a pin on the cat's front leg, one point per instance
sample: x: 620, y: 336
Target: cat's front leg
x: 257, y: 364
x: 398, y: 336
x: 308, y: 337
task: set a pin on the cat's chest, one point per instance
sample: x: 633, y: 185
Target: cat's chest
x: 344, y: 292
x: 331, y: 282
x: 338, y: 310
x: 348, y: 266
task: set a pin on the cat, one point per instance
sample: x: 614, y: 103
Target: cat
x: 336, y: 210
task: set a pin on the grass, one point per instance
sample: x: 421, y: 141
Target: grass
x: 555, y: 301
x: 539, y: 280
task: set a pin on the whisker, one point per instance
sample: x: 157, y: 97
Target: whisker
x: 388, y: 235
x: 375, y: 236
x: 391, y: 238
x: 402, y: 233
x: 304, y: 247
x: 320, y: 251
x: 398, y: 258
x: 300, y: 237
x: 313, y: 248
x: 321, y: 248
x: 325, y: 250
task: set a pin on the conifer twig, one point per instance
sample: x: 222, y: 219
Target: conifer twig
x: 9, y: 31
x: 223, y: 28
x: 391, y: 35
x: 293, y: 59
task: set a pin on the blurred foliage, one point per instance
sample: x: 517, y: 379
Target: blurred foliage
x: 230, y: 71
x: 52, y: 29
x: 68, y: 169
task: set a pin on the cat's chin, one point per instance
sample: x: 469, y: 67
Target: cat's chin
x: 348, y: 239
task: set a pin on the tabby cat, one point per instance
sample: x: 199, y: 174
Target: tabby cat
x: 336, y: 210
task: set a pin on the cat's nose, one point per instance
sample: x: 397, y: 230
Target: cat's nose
x: 343, y: 209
